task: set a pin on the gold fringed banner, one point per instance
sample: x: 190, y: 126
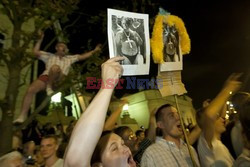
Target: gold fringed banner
x: 156, y: 41
x: 157, y: 36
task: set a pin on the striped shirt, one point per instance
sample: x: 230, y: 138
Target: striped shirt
x: 51, y: 59
x: 165, y: 153
x: 142, y: 147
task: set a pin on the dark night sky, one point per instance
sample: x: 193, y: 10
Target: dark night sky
x: 220, y: 40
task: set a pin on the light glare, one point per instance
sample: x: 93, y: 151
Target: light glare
x: 125, y: 107
x: 56, y: 98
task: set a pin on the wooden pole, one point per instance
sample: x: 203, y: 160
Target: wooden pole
x: 184, y: 132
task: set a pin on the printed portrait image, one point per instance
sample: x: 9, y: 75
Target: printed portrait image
x: 128, y: 35
x: 171, y: 50
x: 129, y: 39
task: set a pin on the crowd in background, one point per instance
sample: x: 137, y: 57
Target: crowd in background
x: 97, y: 141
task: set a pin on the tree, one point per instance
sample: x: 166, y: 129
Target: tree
x: 23, y: 19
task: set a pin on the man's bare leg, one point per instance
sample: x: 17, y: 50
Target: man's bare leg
x: 54, y: 75
x: 34, y: 88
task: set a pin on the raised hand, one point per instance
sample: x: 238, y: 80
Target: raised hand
x: 111, y: 71
x: 233, y: 84
x: 40, y: 34
x: 98, y: 48
x: 206, y: 103
x: 153, y: 112
x: 122, y: 103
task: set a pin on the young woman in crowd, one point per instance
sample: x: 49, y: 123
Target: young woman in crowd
x: 85, y: 137
x: 212, y: 151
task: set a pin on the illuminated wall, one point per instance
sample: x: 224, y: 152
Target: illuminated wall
x: 141, y: 103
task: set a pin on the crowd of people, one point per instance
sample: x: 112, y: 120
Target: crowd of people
x: 95, y: 141
x: 37, y: 147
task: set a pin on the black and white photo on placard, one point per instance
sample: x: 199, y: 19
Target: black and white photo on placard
x: 128, y: 36
x: 171, y: 49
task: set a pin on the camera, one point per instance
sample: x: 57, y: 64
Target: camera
x: 30, y: 161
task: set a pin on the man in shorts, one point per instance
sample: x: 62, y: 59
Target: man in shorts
x: 57, y: 67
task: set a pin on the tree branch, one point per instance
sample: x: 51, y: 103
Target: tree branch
x: 24, y: 77
x: 72, y: 24
x: 8, y: 12
x: 33, y: 115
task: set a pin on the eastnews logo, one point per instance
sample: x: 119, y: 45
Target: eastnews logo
x: 131, y: 83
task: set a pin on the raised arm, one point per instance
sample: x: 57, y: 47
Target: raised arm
x: 89, y: 127
x: 110, y: 122
x: 152, y: 126
x: 214, y: 109
x: 194, y: 135
x: 90, y: 53
x: 36, y: 49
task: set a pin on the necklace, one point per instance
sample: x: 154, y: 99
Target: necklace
x: 126, y: 34
x: 128, y: 39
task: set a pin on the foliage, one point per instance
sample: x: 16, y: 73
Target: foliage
x: 42, y: 14
x: 23, y: 20
x: 27, y: 17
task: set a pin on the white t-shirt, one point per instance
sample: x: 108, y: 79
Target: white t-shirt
x: 236, y: 138
x: 244, y: 159
x: 218, y: 156
x: 59, y: 163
